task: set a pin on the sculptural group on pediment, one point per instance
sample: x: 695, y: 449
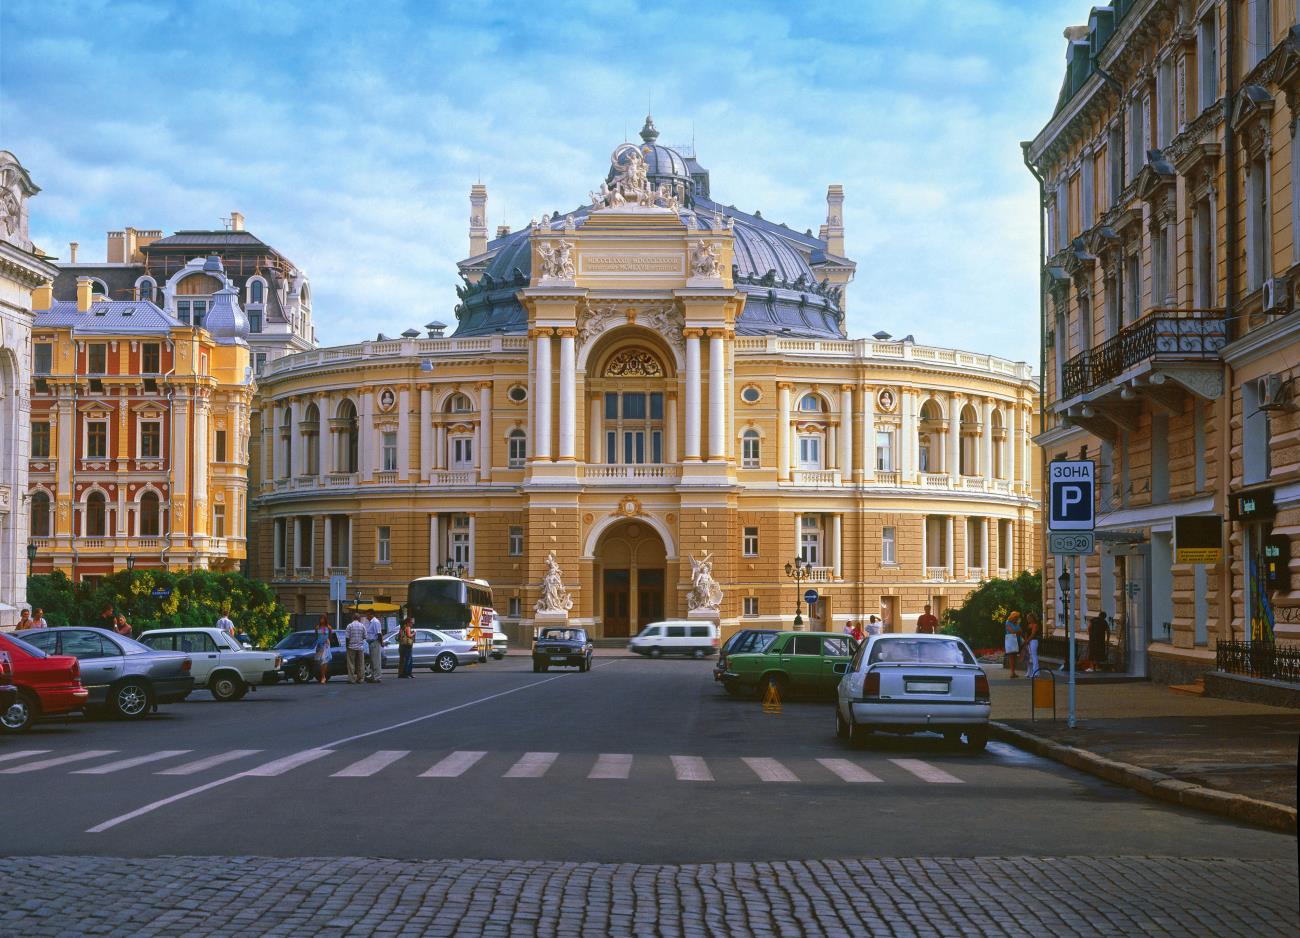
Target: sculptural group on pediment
x: 630, y: 184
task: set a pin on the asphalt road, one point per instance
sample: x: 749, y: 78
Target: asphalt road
x: 636, y: 761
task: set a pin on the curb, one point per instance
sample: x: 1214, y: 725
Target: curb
x: 1241, y: 808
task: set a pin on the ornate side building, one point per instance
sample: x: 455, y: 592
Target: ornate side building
x: 650, y: 379
x: 22, y: 269
x: 1170, y: 316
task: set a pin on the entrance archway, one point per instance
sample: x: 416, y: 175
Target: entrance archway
x: 630, y: 563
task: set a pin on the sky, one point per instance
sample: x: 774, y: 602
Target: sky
x: 349, y: 134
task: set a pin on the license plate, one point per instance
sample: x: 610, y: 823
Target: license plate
x: 927, y: 687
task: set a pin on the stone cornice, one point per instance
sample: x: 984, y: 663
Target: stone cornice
x: 24, y: 267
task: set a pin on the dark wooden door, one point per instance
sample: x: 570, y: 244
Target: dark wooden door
x: 618, y: 585
x: 649, y: 597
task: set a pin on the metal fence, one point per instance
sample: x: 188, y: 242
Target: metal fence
x: 1274, y: 660
x: 1196, y: 334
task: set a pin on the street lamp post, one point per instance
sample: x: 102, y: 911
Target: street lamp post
x: 31, y: 556
x: 1063, y: 584
x: 798, y: 571
x: 130, y: 562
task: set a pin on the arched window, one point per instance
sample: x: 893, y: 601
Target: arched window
x: 929, y: 454
x: 40, y: 514
x: 255, y: 291
x: 347, y: 455
x: 286, y: 441
x: 518, y: 443
x: 311, y: 438
x: 970, y: 426
x: 810, y: 404
x: 146, y: 289
x: 749, y: 449
x: 459, y: 404
x: 150, y: 515
x: 999, y: 445
x: 96, y: 515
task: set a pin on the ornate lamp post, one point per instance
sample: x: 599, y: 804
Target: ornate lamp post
x: 798, y: 571
x: 31, y: 556
x: 1063, y: 589
x: 130, y: 562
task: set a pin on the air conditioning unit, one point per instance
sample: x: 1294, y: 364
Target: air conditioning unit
x: 1276, y: 296
x: 1273, y: 392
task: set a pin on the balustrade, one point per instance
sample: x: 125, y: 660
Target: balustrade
x: 936, y: 573
x: 455, y: 477
x: 642, y: 472
x: 819, y: 575
x: 1197, y: 334
x: 816, y: 477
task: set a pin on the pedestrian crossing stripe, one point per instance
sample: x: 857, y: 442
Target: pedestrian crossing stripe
x: 528, y: 765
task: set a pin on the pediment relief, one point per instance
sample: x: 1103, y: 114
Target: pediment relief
x: 1250, y: 116
x: 1102, y: 241
x: 633, y: 363
x: 1157, y: 179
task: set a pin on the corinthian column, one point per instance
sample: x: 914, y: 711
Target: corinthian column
x: 542, y: 418
x: 485, y: 430
x: 986, y: 439
x: 846, y: 433
x: 954, y: 437
x: 717, y: 395
x: 783, y: 432
x: 568, y: 394
x: 692, y: 445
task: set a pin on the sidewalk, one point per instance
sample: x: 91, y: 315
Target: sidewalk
x: 1240, y: 748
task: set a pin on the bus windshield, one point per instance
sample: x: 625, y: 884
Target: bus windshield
x: 445, y: 603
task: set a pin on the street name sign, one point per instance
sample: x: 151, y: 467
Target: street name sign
x: 161, y: 592
x: 1070, y: 488
x: 1071, y: 543
x: 810, y: 596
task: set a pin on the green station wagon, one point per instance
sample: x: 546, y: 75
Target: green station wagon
x: 810, y: 663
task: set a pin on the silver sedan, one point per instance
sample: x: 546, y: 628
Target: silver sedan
x: 432, y: 649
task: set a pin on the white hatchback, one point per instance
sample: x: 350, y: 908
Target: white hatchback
x: 676, y: 637
x: 914, y: 684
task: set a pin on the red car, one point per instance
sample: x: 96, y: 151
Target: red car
x: 47, y: 685
x: 8, y: 693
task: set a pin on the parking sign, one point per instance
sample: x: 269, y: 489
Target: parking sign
x: 1070, y: 487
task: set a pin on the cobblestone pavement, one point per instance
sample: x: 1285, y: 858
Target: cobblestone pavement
x: 202, y: 896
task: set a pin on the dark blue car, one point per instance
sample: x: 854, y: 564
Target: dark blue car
x: 299, y: 652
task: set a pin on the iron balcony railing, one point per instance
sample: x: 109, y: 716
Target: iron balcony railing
x: 1194, y: 334
x: 1273, y: 660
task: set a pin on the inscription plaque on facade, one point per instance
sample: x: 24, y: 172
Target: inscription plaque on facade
x: 632, y: 264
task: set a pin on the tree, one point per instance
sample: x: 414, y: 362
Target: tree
x: 979, y: 620
x: 193, y: 599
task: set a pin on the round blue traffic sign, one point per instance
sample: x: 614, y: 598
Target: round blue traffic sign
x: 810, y: 596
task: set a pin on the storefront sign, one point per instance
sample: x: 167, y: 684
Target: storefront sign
x: 1252, y: 506
x: 1198, y: 539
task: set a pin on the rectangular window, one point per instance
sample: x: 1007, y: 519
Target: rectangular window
x: 1133, y: 288
x: 516, y: 545
x: 657, y: 447
x: 97, y: 439
x: 390, y: 450
x: 518, y: 450
x: 1257, y: 220
x: 1085, y: 322
x: 634, y: 406
x: 884, y: 451
x: 1112, y: 306
x: 383, y: 552
x: 1165, y: 119
x: 1159, y: 458
x: 1207, y: 61
x: 513, y: 606
x: 611, y: 405
x: 887, y: 551
x: 749, y: 543
x: 810, y: 547
x: 1115, y: 161
x: 259, y: 362
x: 611, y: 447
x: 1259, y: 32
x: 220, y: 447
x: 40, y: 439
x: 150, y: 439
x: 1256, y: 466
x: 462, y: 452
x: 810, y: 452
x: 150, y: 358
x: 656, y: 406
x: 254, y: 320
x: 750, y: 604
x: 1203, y: 273
x: 218, y: 520
x: 1062, y: 214
x: 42, y: 358
x: 460, y: 547
x: 97, y: 359
x: 1086, y: 199
x: 280, y: 543
x: 1137, y: 134
x: 749, y: 451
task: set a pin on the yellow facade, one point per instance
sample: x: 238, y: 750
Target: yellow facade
x: 1172, y: 257
x: 635, y: 421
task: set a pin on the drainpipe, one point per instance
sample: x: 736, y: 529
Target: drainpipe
x: 1230, y: 183
x: 1042, y: 327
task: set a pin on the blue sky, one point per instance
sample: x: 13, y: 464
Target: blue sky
x: 349, y: 134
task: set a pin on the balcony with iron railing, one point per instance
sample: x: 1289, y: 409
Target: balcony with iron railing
x: 1164, y: 334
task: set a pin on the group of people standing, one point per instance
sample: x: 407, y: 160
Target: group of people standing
x: 364, y: 638
x: 927, y: 623
x: 1021, y: 641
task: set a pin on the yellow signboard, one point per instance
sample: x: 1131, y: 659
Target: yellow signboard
x: 1209, y: 555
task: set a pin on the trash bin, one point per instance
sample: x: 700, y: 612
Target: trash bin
x: 1043, y: 693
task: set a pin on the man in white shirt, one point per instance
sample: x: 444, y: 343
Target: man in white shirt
x: 374, y: 639
x: 226, y: 625
x: 356, y: 637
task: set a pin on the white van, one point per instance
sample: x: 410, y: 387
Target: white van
x: 676, y: 637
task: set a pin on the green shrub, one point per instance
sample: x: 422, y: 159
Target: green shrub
x: 979, y: 620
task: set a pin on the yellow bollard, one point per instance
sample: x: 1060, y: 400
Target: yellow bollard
x: 772, y: 701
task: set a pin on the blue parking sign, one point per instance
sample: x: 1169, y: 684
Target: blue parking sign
x: 1070, y: 494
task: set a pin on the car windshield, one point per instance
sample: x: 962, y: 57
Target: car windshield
x: 563, y: 635
x: 920, y: 651
x: 26, y: 647
x: 298, y: 640
x: 228, y: 642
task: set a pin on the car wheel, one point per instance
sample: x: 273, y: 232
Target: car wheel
x: 654, y: 652
x: 301, y: 673
x: 858, y: 734
x: 130, y: 700
x: 841, y: 726
x: 446, y: 663
x: 226, y: 687
x: 242, y: 692
x: 698, y: 653
x: 536, y: 667
x: 21, y: 714
x: 977, y: 737
x: 952, y: 738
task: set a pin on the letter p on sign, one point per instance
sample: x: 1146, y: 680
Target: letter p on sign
x: 1071, y: 495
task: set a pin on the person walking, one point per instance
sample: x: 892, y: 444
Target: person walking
x: 375, y: 645
x: 225, y: 624
x: 356, y: 636
x: 323, y: 650
x: 406, y: 648
x: 1011, y: 642
x: 1098, y: 630
x: 38, y: 619
x: 927, y: 623
x: 1033, y: 629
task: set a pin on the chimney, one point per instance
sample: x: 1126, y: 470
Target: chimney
x: 835, y: 220
x: 503, y: 230
x: 117, y: 247
x: 236, y: 221
x: 72, y: 249
x: 130, y: 249
x: 477, y: 219
x: 42, y: 297
x: 85, y: 293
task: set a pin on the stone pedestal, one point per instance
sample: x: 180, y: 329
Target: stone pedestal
x: 704, y: 615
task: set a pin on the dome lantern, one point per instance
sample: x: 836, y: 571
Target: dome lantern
x: 648, y: 132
